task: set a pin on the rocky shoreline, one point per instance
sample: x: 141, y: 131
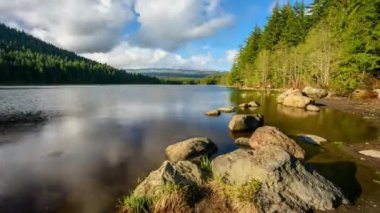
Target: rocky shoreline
x: 266, y: 174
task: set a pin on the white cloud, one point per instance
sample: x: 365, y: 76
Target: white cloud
x: 231, y: 55
x: 169, y: 24
x: 126, y: 56
x: 80, y: 26
x: 96, y: 28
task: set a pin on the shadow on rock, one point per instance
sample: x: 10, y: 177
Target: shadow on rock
x: 341, y: 174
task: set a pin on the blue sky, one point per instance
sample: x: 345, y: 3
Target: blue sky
x: 189, y: 34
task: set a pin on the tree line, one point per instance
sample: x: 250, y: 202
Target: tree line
x: 28, y: 60
x: 331, y: 43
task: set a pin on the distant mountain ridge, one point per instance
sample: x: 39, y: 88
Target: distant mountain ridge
x: 173, y: 73
x: 25, y: 59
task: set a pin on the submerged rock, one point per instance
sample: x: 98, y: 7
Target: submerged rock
x: 184, y: 173
x: 312, y: 108
x: 246, y: 122
x: 289, y: 92
x: 242, y: 141
x: 286, y: 184
x: 227, y: 109
x: 213, y: 113
x: 191, y: 149
x: 312, y: 139
x: 296, y: 101
x: 314, y: 92
x: 269, y: 135
x: 370, y: 153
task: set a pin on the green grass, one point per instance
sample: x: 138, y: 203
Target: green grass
x: 205, y: 164
x: 243, y: 193
x: 168, y: 197
x: 135, y: 204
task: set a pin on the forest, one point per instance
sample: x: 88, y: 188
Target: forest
x: 28, y: 60
x: 331, y: 44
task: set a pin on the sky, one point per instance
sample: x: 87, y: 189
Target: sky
x: 130, y: 34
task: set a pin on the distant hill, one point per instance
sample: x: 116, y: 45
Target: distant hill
x: 173, y: 73
x: 25, y: 59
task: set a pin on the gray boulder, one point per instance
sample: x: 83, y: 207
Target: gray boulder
x: 269, y: 135
x: 297, y: 101
x: 191, y: 149
x: 246, y: 122
x: 314, y: 92
x: 312, y: 139
x: 183, y: 173
x: 286, y: 185
x: 289, y: 92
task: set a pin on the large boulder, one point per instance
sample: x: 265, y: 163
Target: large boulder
x: 191, y: 149
x: 314, y: 92
x: 246, y: 122
x: 297, y: 101
x: 183, y: 173
x: 269, y: 135
x: 286, y: 184
x: 289, y: 92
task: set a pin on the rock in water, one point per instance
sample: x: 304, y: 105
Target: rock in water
x: 297, y: 101
x: 227, y: 109
x: 253, y: 104
x: 246, y: 122
x: 191, y: 149
x: 242, y: 141
x: 286, y: 185
x: 182, y: 173
x: 371, y: 153
x: 269, y: 135
x: 314, y: 92
x: 289, y: 92
x: 312, y: 139
x: 312, y: 108
x: 244, y: 106
x: 213, y: 113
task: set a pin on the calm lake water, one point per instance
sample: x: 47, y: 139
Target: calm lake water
x: 80, y: 148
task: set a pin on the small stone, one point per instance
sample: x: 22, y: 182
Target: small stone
x: 370, y: 153
x: 246, y: 122
x: 312, y: 139
x: 213, y: 113
x: 227, y: 109
x: 242, y: 141
x: 312, y: 108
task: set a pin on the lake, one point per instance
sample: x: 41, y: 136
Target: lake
x: 80, y: 148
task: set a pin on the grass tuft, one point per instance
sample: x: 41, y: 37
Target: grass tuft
x: 205, y: 164
x: 135, y: 204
